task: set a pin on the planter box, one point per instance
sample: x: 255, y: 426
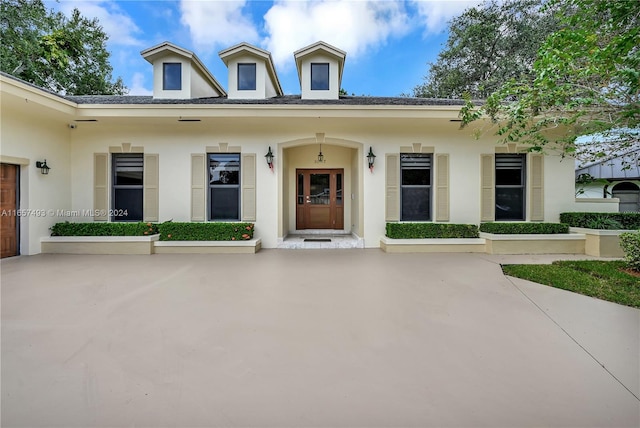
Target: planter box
x: 98, y: 244
x: 250, y: 246
x: 563, y: 243
x: 449, y: 245
x: 601, y: 243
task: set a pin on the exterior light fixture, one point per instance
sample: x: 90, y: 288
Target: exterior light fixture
x: 371, y: 158
x: 44, y: 168
x: 320, y: 156
x: 269, y: 156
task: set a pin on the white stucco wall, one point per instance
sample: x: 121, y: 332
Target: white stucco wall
x: 43, y: 198
x: 305, y: 84
x: 160, y: 93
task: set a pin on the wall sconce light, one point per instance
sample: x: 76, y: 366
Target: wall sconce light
x: 371, y: 158
x: 44, y: 168
x: 269, y: 156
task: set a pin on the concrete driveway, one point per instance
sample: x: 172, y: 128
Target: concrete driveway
x: 325, y: 338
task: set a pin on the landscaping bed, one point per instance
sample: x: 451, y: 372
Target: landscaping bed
x: 150, y: 238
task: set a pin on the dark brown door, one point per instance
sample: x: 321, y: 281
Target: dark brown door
x: 8, y: 208
x: 319, y: 201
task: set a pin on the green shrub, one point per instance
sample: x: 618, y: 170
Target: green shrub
x: 176, y: 231
x: 630, y: 243
x: 431, y: 230
x: 524, y: 228
x: 604, y: 223
x: 104, y: 229
x: 628, y: 221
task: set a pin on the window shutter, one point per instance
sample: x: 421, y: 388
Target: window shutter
x: 537, y: 187
x: 392, y: 187
x: 198, y: 187
x: 248, y: 166
x: 487, y: 187
x: 100, y: 186
x: 442, y: 187
x: 150, y: 203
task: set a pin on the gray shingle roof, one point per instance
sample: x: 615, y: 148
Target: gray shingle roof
x: 283, y: 100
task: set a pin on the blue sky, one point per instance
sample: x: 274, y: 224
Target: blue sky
x: 388, y: 43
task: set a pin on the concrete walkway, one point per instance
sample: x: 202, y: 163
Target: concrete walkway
x: 323, y: 338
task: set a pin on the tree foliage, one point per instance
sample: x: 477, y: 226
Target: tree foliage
x: 62, y: 54
x: 488, y: 45
x: 585, y: 80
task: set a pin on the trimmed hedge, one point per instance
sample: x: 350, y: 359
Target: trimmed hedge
x: 104, y: 229
x: 430, y: 230
x: 170, y: 231
x: 630, y: 243
x: 524, y: 228
x: 628, y: 221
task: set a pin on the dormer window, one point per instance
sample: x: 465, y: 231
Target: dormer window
x: 246, y: 77
x: 320, y: 76
x: 172, y: 76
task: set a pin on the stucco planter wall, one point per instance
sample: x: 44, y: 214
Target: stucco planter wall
x: 570, y: 243
x: 449, y: 245
x: 250, y: 246
x: 98, y: 244
x: 601, y: 243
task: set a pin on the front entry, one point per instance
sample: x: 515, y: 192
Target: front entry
x: 319, y: 201
x: 9, y: 208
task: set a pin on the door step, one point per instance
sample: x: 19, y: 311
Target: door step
x: 314, y: 240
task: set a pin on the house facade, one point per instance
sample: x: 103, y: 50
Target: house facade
x: 194, y: 151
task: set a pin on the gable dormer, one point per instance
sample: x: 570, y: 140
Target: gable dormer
x: 252, y: 74
x: 320, y: 68
x: 179, y: 74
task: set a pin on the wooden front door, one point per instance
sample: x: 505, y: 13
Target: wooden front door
x: 319, y: 201
x: 8, y: 208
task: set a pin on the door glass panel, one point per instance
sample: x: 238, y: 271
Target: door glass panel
x: 300, y: 189
x: 319, y: 189
x: 339, y: 189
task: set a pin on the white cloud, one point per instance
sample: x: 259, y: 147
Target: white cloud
x: 434, y: 14
x: 119, y: 26
x: 137, y: 85
x: 353, y: 26
x: 217, y: 24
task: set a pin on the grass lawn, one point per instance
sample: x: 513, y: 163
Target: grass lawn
x: 604, y: 280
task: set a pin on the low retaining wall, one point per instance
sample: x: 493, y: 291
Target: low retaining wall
x: 250, y: 246
x: 142, y: 245
x: 98, y: 244
x: 563, y: 243
x: 601, y: 243
x: 449, y: 245
x: 571, y: 243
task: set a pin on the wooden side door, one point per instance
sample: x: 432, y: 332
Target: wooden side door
x: 8, y: 208
x: 319, y: 200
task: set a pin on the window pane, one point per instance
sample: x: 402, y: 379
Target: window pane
x: 510, y: 203
x: 416, y: 177
x: 319, y: 189
x: 224, y: 169
x: 509, y: 170
x: 320, y: 76
x: 129, y: 200
x: 339, y: 189
x: 224, y: 203
x: 300, y: 189
x: 128, y: 169
x: 415, y: 203
x: 172, y: 76
x: 246, y: 77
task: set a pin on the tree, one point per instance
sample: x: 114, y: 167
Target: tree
x: 487, y: 45
x: 585, y: 80
x: 64, y: 55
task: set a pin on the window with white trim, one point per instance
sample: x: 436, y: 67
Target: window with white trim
x: 320, y: 76
x: 246, y: 77
x: 172, y: 76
